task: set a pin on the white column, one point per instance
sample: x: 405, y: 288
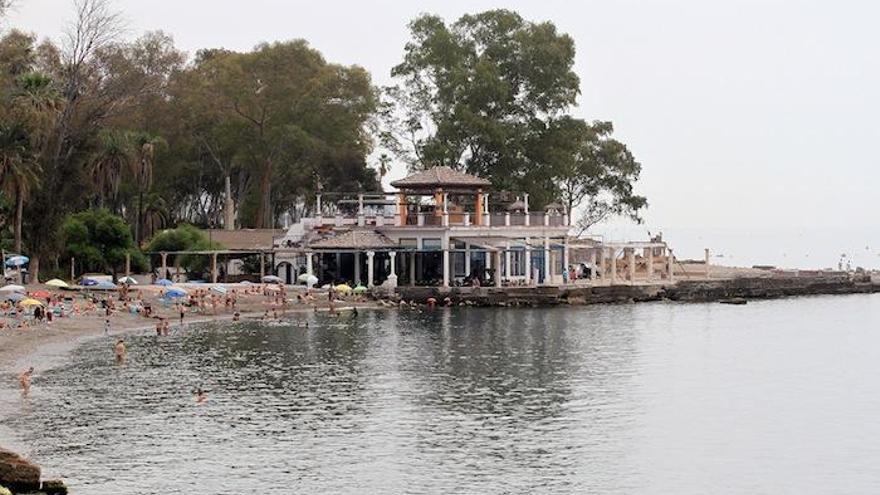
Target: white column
x: 445, y: 209
x: 547, y: 262
x: 357, y: 268
x: 467, y: 260
x: 309, y: 269
x: 487, y: 221
x: 566, y: 256
x: 593, y: 263
x: 497, y: 268
x: 467, y: 219
x: 392, y: 277
x: 361, y: 219
x: 507, y: 257
x: 319, y: 213
x: 445, y: 246
x: 487, y: 255
x: 649, y: 258
x: 670, y: 265
x: 528, y: 219
x: 631, y: 264
x: 613, y: 276
x: 546, y: 219
x: 412, y: 269
x: 370, y: 255
x: 507, y: 219
x: 528, y: 269
x: 707, y: 263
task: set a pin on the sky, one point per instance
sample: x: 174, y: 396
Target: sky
x: 755, y: 121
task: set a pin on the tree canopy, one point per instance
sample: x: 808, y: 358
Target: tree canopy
x: 158, y: 138
x: 490, y: 94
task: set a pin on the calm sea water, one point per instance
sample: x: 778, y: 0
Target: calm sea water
x: 773, y: 397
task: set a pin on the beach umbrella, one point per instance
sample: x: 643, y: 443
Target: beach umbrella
x: 175, y: 293
x: 311, y: 280
x: 164, y: 282
x: 57, y: 283
x: 89, y: 282
x: 343, y: 288
x: 360, y: 289
x: 30, y: 302
x: 17, y: 260
x: 303, y: 278
x: 13, y: 296
x: 128, y: 280
x: 12, y: 288
x: 272, y: 279
x: 42, y: 294
x: 106, y: 285
x: 218, y: 289
x: 246, y: 282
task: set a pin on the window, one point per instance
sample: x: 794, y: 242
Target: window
x: 432, y: 244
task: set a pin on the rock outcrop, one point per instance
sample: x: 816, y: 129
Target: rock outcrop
x: 17, y: 473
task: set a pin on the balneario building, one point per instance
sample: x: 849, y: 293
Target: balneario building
x: 436, y: 229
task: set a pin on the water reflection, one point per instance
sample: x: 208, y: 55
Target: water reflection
x: 624, y: 399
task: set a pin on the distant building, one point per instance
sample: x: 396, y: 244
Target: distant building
x: 436, y: 229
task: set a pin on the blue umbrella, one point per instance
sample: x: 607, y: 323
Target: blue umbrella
x: 164, y: 282
x: 17, y: 260
x: 106, y: 285
x: 175, y: 293
x: 89, y: 282
x: 14, y: 296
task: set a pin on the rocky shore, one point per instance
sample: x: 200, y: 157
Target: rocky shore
x: 21, y: 476
x: 745, y: 288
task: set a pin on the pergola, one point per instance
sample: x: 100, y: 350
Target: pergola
x: 440, y: 183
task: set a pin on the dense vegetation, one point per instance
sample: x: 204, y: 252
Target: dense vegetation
x: 136, y: 130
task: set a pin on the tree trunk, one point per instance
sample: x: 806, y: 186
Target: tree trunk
x: 19, y: 213
x: 229, y: 207
x: 139, y: 220
x: 263, y: 210
x: 34, y: 270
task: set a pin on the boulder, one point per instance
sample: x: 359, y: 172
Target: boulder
x: 17, y: 473
x: 54, y: 487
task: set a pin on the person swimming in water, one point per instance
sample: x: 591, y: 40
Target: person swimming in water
x: 120, y: 351
x: 24, y: 380
x: 201, y: 396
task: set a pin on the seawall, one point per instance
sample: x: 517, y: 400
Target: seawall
x: 684, y: 291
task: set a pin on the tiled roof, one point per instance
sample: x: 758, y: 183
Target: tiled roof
x: 245, y: 239
x: 354, y: 239
x: 441, y: 177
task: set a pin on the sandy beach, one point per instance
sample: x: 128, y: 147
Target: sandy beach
x: 42, y: 345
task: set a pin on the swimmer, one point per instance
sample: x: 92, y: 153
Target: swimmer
x: 201, y: 396
x: 120, y: 351
x: 236, y: 316
x: 24, y: 380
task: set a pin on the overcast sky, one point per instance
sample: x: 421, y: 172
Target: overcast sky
x: 755, y: 121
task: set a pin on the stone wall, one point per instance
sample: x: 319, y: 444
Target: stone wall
x: 684, y: 291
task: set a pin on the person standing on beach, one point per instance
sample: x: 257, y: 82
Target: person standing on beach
x: 106, y: 326
x: 182, y: 310
x: 120, y: 351
x: 24, y: 380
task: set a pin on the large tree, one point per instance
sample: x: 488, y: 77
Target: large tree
x: 273, y: 114
x: 490, y: 94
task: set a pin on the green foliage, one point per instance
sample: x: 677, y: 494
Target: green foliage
x: 184, y: 238
x: 98, y: 240
x: 489, y: 94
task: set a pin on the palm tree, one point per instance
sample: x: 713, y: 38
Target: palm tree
x: 146, y: 145
x: 17, y: 175
x: 115, y: 154
x: 384, y: 166
x: 155, y: 211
